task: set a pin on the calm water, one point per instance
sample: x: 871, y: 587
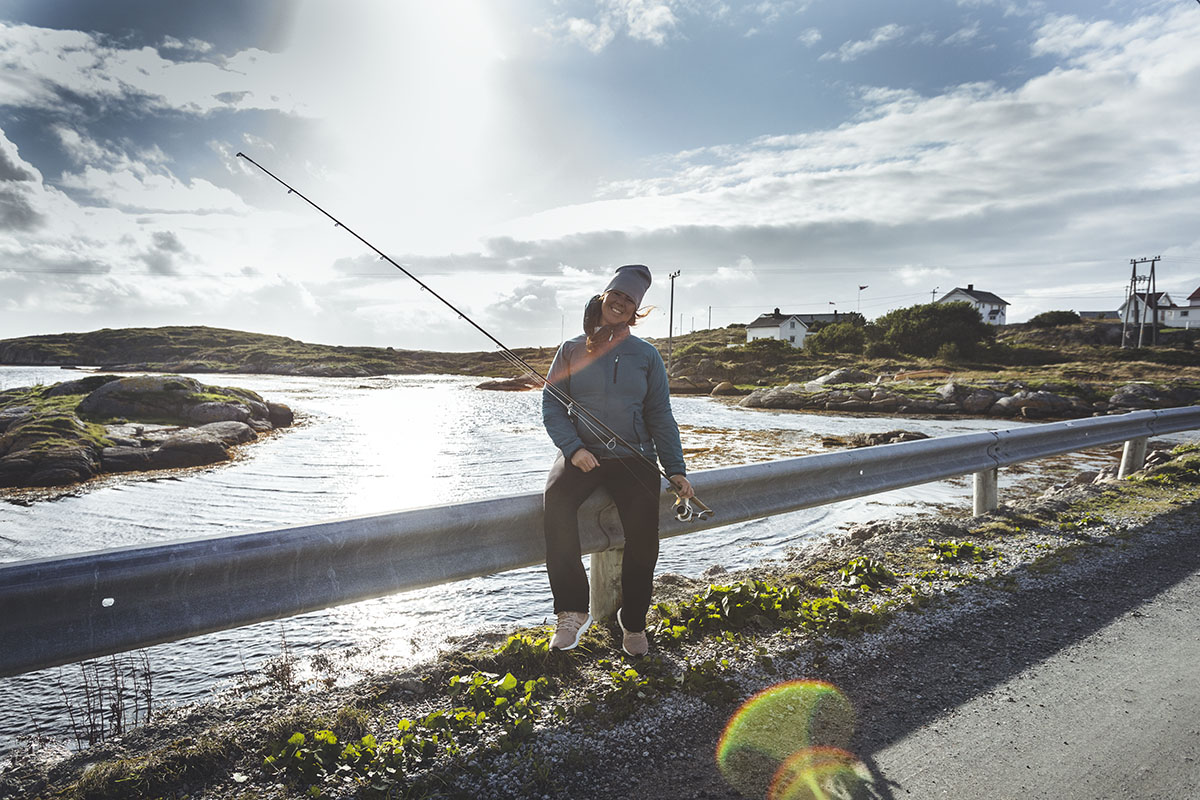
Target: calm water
x: 369, y: 445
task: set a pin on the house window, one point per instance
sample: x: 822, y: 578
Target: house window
x: 792, y: 339
x: 1183, y: 313
x: 792, y: 325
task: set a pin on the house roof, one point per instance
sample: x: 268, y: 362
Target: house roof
x: 976, y: 295
x: 809, y: 319
x: 1194, y: 295
x: 1155, y: 299
x: 774, y: 320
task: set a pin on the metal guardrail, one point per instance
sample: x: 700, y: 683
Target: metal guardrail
x: 59, y: 610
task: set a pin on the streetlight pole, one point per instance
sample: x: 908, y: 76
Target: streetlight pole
x: 671, y: 320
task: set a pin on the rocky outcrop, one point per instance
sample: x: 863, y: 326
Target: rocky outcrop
x: 510, y: 384
x: 726, y: 389
x: 184, y: 424
x: 1011, y: 399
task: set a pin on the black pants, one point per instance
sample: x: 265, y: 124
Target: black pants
x: 634, y: 486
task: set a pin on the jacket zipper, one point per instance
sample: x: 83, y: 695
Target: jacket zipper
x: 616, y: 360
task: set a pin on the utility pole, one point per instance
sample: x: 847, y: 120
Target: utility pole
x: 710, y: 317
x: 933, y: 294
x: 671, y: 320
x: 1149, y: 296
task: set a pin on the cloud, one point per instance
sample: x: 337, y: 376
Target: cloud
x: 913, y: 276
x: 164, y: 253
x: 39, y: 65
x: 645, y: 20
x: 964, y: 35
x: 138, y: 182
x: 809, y: 37
x: 20, y: 187
x: 849, y: 51
x: 594, y: 36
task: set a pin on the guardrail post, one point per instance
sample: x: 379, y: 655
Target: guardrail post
x: 606, y: 583
x: 1133, y: 457
x: 987, y: 492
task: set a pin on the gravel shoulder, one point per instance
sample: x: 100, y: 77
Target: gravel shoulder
x: 928, y: 662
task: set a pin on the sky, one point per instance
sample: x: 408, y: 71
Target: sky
x: 513, y: 153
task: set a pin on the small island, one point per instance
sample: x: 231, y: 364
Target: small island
x: 101, y: 424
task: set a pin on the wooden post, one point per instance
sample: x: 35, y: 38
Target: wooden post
x: 1133, y: 458
x: 987, y: 492
x: 606, y: 584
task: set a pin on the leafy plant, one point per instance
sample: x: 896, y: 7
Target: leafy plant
x: 867, y: 572
x: 954, y: 550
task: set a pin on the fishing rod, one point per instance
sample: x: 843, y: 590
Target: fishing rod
x: 682, y: 508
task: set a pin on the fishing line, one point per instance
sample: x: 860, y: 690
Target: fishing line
x: 683, y: 510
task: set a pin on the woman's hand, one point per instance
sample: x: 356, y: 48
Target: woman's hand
x: 681, y: 487
x: 584, y: 460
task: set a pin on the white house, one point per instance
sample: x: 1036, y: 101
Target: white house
x: 990, y: 307
x: 786, y: 327
x: 1184, y: 316
x: 1141, y: 307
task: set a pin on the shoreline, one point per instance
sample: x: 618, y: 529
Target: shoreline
x: 1038, y: 540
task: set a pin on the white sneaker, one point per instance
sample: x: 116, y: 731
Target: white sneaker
x: 635, y: 644
x: 570, y: 629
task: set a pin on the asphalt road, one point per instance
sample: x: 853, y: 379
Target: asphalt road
x: 1114, y: 715
x: 1081, y: 684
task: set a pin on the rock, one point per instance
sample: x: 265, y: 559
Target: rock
x: 1108, y: 473
x: 1087, y: 476
x: 10, y: 416
x: 714, y: 571
x: 509, y: 385
x: 15, y: 468
x: 887, y: 437
x: 261, y: 425
x: 1158, y: 457
x: 188, y: 448
x: 141, y: 397
x: 843, y: 375
x: 230, y: 432
x: 58, y: 466
x: 775, y: 397
x: 725, y: 388
x: 1138, y: 395
x: 950, y: 392
x: 847, y: 405
x: 864, y: 531
x: 979, y: 401
x: 685, y: 385
x: 82, y: 386
x: 279, y: 415
x: 124, y: 459
x: 884, y: 404
x: 204, y: 413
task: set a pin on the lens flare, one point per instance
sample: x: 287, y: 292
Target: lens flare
x: 818, y: 773
x: 778, y: 726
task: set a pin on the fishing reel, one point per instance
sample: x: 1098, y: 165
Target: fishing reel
x: 684, y: 513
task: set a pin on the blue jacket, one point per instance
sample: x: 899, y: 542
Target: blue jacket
x: 624, y: 383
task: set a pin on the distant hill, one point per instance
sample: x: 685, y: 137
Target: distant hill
x: 198, y: 349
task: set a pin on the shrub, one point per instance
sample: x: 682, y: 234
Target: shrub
x: 1054, y: 319
x: 921, y: 330
x: 950, y: 352
x: 841, y: 337
x: 879, y: 350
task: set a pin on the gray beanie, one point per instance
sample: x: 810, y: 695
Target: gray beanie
x: 632, y: 280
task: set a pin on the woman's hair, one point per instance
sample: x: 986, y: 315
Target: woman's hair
x: 605, y: 333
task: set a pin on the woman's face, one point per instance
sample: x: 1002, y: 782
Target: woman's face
x: 616, y: 308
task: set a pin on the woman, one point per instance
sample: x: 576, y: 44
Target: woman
x: 622, y: 381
